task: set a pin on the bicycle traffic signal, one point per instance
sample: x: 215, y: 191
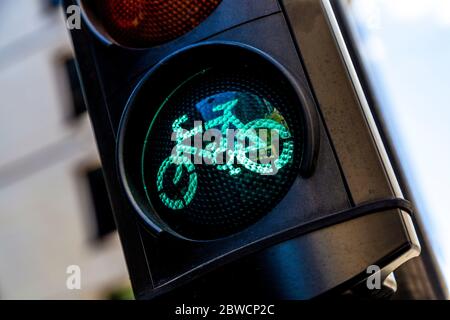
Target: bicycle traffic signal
x: 229, y: 168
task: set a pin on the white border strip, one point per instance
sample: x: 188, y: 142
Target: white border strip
x: 362, y: 98
x: 407, y: 221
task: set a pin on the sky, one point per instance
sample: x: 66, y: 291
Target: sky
x: 406, y: 45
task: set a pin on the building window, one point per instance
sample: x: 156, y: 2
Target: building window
x: 102, y: 211
x: 77, y: 104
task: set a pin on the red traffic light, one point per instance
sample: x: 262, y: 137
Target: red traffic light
x: 145, y: 23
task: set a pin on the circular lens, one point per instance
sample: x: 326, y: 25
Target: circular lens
x: 198, y: 169
x: 144, y: 23
x: 212, y: 146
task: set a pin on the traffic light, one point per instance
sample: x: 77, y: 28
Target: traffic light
x: 239, y: 151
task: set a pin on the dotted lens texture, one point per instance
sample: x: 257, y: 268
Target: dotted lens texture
x: 223, y: 204
x: 144, y: 23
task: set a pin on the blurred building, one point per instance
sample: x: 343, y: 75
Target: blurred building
x: 53, y: 206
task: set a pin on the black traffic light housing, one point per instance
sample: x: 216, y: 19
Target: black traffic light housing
x: 322, y: 234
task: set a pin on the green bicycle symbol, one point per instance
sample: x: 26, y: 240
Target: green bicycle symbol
x: 247, y: 142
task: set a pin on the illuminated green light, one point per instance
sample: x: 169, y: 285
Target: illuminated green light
x: 222, y: 149
x: 245, y: 132
x: 184, y: 164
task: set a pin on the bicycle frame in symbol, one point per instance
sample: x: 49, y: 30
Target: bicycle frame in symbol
x: 247, y: 144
